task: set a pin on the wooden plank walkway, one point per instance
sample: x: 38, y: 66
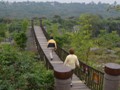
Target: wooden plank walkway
x: 77, y: 84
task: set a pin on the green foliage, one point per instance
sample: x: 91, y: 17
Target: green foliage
x: 54, y: 29
x: 24, y: 25
x: 57, y: 19
x: 20, y: 39
x: 60, y: 35
x: 46, y: 22
x: 82, y: 43
x: 111, y: 24
x: 18, y: 25
x: 20, y: 71
x: 15, y: 27
x: 62, y: 39
x: 108, y: 40
x: 82, y: 40
x: 89, y: 22
x: 3, y: 28
x: 1, y: 39
x: 68, y: 24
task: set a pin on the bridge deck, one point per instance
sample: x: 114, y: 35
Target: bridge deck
x: 77, y: 84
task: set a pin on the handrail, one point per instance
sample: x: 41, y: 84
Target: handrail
x: 40, y: 51
x: 42, y: 57
x: 91, y: 77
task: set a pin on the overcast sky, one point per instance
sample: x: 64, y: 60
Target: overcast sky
x: 68, y: 1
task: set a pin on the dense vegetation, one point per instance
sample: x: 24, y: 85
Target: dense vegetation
x: 14, y: 31
x: 49, y: 9
x: 19, y: 69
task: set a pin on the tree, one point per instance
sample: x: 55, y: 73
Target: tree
x: 82, y: 42
x: 20, y: 39
x: 20, y: 71
x: 108, y: 40
x: 57, y: 19
x: 24, y: 25
x: 3, y: 29
x: 89, y: 22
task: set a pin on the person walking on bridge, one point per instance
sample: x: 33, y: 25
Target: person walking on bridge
x: 71, y: 61
x: 52, y: 46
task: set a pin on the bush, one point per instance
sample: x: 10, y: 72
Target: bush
x: 20, y: 71
x: 20, y: 39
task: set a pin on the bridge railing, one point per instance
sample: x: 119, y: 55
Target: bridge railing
x: 90, y: 76
x: 40, y: 51
x: 42, y: 57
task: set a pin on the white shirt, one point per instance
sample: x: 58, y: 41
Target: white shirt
x: 71, y: 61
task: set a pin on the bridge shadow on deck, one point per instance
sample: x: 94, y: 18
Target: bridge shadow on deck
x: 77, y: 83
